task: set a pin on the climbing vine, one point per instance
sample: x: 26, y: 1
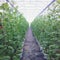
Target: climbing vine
x: 13, y: 27
x: 47, y: 30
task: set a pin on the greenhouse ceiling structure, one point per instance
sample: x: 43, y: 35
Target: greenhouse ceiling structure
x: 30, y: 8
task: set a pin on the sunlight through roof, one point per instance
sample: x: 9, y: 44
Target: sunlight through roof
x: 31, y: 8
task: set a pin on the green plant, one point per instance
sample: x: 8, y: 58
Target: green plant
x: 47, y: 30
x: 12, y: 33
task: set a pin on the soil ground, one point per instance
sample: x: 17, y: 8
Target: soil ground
x: 31, y: 48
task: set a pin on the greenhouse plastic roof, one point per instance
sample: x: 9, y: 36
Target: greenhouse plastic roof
x: 30, y: 8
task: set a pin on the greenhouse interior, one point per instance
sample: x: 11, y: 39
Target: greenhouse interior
x: 29, y: 29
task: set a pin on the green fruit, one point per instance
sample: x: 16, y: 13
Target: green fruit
x: 58, y: 1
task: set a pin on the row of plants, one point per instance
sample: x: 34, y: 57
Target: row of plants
x: 13, y: 27
x: 46, y: 28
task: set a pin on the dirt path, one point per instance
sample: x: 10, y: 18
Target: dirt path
x: 31, y: 49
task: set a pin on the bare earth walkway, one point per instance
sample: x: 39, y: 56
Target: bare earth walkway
x: 31, y: 48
